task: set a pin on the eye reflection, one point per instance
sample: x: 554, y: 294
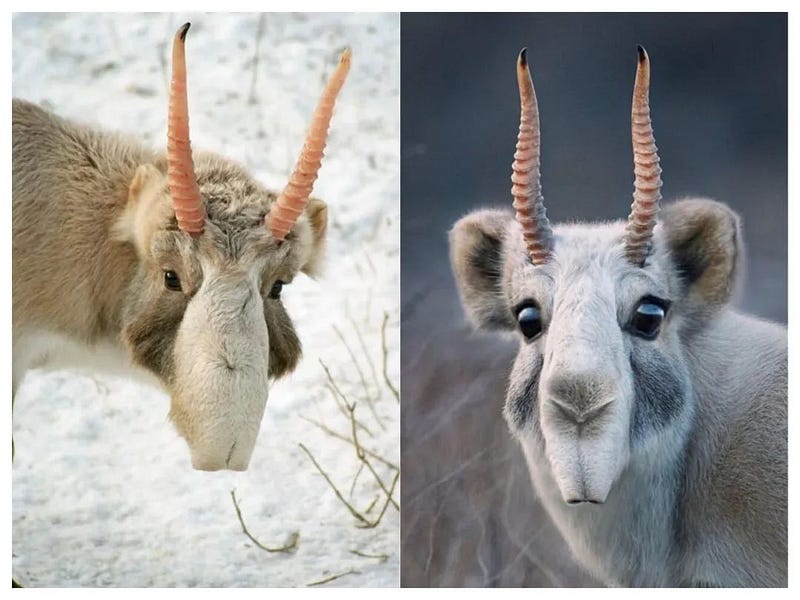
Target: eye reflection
x: 647, y: 319
x: 530, y: 321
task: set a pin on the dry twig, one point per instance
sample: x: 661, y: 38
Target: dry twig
x: 367, y: 394
x: 350, y: 507
x: 252, y: 98
x: 366, y: 354
x: 332, y: 577
x: 385, y: 358
x: 380, y: 557
x: 361, y: 455
x: 340, y: 396
x: 364, y: 522
x: 339, y: 436
x: 385, y: 504
x: 290, y: 546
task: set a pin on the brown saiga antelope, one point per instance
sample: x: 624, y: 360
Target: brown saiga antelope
x: 171, y: 262
x: 652, y: 415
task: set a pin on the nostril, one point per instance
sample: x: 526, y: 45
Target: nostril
x: 580, y: 398
x: 580, y: 414
x: 574, y: 501
x: 579, y: 389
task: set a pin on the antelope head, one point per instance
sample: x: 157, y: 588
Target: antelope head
x: 215, y: 248
x: 602, y: 311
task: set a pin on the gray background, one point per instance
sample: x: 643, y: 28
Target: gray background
x: 719, y: 102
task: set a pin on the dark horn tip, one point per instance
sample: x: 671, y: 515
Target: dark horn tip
x: 523, y: 57
x: 642, y: 53
x: 184, y: 30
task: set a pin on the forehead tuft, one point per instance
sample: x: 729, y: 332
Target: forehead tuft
x: 582, y: 249
x: 236, y: 205
x: 579, y: 245
x: 583, y: 244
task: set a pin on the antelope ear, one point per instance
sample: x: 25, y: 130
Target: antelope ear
x: 317, y: 213
x: 476, y: 254
x: 704, y: 243
x: 147, y: 210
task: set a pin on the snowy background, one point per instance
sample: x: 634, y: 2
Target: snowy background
x: 103, y: 490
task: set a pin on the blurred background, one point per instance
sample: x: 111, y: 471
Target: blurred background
x: 719, y: 105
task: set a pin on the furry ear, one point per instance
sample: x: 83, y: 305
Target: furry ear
x: 317, y: 213
x: 147, y: 210
x: 704, y: 244
x: 476, y: 254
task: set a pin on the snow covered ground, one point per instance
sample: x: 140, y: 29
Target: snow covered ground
x: 103, y: 491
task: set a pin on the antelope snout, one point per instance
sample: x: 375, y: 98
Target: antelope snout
x: 215, y: 457
x: 580, y: 397
x: 584, y: 423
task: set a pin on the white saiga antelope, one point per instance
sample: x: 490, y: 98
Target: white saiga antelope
x: 652, y: 415
x: 173, y: 263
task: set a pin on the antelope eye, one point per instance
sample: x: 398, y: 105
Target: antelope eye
x: 275, y: 292
x: 171, y: 281
x: 530, y: 322
x: 647, y: 319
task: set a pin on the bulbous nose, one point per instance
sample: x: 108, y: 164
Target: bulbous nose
x: 580, y: 396
x: 236, y: 459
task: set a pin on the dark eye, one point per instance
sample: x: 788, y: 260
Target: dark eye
x: 275, y: 292
x: 530, y: 322
x: 171, y: 281
x: 647, y: 319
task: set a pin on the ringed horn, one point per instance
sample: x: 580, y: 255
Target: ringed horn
x: 647, y: 183
x: 293, y: 199
x: 527, y: 188
x: 186, y: 201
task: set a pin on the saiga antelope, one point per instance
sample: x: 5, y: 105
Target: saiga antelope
x: 652, y: 415
x: 171, y: 262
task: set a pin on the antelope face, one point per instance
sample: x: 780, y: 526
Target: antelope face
x: 215, y: 249
x: 205, y: 313
x: 602, y: 312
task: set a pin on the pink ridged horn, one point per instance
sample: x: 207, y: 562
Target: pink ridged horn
x: 647, y: 184
x: 293, y: 199
x: 186, y: 201
x: 527, y: 188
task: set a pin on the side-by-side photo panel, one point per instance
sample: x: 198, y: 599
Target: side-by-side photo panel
x: 206, y: 344
x: 594, y: 300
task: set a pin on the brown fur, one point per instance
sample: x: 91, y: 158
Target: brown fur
x: 93, y: 232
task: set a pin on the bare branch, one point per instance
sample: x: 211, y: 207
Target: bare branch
x: 252, y: 98
x: 361, y: 455
x: 380, y: 557
x: 290, y: 546
x: 335, y: 389
x: 366, y: 354
x: 372, y: 505
x: 344, y: 501
x: 385, y: 358
x: 332, y: 577
x: 365, y: 523
x: 355, y: 479
x: 339, y: 436
x: 367, y: 393
x: 385, y: 504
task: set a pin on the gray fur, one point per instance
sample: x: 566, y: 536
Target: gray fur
x: 678, y: 464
